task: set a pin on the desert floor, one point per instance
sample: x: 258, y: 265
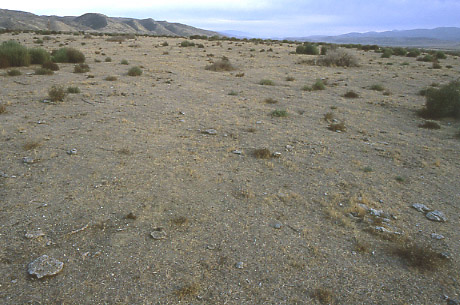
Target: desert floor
x: 290, y: 229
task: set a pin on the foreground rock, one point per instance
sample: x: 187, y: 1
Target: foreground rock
x: 45, y: 266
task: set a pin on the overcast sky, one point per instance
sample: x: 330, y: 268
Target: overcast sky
x: 267, y: 18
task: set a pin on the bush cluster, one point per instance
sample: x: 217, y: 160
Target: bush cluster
x: 338, y: 58
x: 135, y: 71
x: 221, y: 65
x: 307, y: 48
x: 442, y: 102
x: 12, y: 54
x: 68, y: 55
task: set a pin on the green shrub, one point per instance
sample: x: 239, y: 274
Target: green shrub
x: 442, y: 102
x: 73, y: 90
x: 165, y: 44
x: 307, y: 88
x: 413, y: 53
x: 39, y: 56
x: 12, y: 54
x: 338, y: 58
x: 43, y: 71
x: 124, y: 62
x: 279, y: 113
x: 426, y: 58
x: 399, y: 51
x: 68, y: 55
x: 436, y: 65
x: 81, y: 68
x: 187, y: 43
x: 318, y: 85
x: 108, y: 59
x: 38, y: 41
x: 266, y: 82
x: 377, y: 87
x: 307, y: 48
x: 324, y: 50
x: 440, y: 55
x: 13, y: 72
x: 50, y: 65
x: 387, y: 52
x: 57, y: 93
x: 111, y: 78
x: 135, y: 71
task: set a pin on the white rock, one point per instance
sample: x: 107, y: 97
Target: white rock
x: 45, y: 266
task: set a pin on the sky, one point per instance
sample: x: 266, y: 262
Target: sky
x: 267, y: 18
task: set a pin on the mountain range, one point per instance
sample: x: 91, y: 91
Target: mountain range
x: 93, y: 22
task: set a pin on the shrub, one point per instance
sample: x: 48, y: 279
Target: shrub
x: 262, y: 153
x: 338, y: 58
x: 413, y: 53
x: 387, y: 53
x: 56, y: 93
x: 426, y: 58
x: 111, y: 78
x: 399, y: 51
x: 442, y: 102
x: 81, y: 68
x: 135, y: 71
x: 221, y: 65
x: 12, y: 54
x: 290, y: 79
x: 200, y: 46
x: 270, y: 101
x: 318, y: 85
x: 324, y: 50
x: 307, y: 48
x: 165, y: 44
x: 307, y: 88
x: 377, y: 87
x: 50, y: 65
x: 43, y: 71
x: 68, y: 55
x: 2, y: 108
x: 266, y: 82
x: 73, y: 90
x: 351, y: 94
x: 279, y: 113
x: 430, y: 125
x: 13, y: 72
x: 39, y: 56
x: 187, y: 43
x: 440, y: 55
x: 108, y: 59
x: 124, y: 62
x: 436, y: 65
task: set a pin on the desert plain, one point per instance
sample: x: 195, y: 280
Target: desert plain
x: 249, y: 194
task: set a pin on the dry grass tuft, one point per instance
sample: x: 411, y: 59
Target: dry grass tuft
x: 188, y: 290
x: 351, y: 94
x: 430, y: 125
x: 329, y: 117
x: 262, y: 153
x: 179, y: 220
x: 270, y: 101
x: 221, y: 65
x: 337, y: 127
x: 323, y: 295
x: 421, y: 257
x: 31, y: 145
x: 2, y: 108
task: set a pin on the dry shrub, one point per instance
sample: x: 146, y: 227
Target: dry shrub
x: 2, y: 108
x: 31, y: 145
x: 329, y: 117
x: 337, y: 127
x: 57, y: 93
x: 270, y: 101
x: 50, y: 65
x: 221, y: 65
x: 188, y: 290
x: 179, y: 220
x: 351, y: 94
x: 430, y: 125
x: 262, y: 153
x: 338, y: 58
x: 323, y: 295
x: 418, y: 256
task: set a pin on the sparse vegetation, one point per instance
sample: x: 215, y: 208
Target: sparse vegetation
x: 338, y: 58
x: 351, y: 94
x: 81, y: 68
x: 13, y: 72
x: 430, y: 125
x: 108, y: 59
x: 43, y: 71
x: 337, y: 127
x: 111, y: 78
x: 270, y: 101
x: 13, y: 54
x: 124, y: 62
x: 30, y: 145
x: 318, y: 85
x: 57, y: 93
x: 421, y: 257
x: 73, y: 90
x: 51, y: 66
x: 324, y: 296
x: 266, y: 82
x: 442, y: 102
x: 290, y: 79
x: 2, y: 108
x: 262, y: 153
x: 279, y: 113
x: 377, y: 87
x: 135, y: 71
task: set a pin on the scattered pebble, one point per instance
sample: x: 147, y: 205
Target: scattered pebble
x: 277, y: 225
x: 239, y: 265
x: 72, y: 151
x: 210, y: 131
x: 28, y: 160
x: 237, y: 152
x: 421, y: 207
x: 158, y: 234
x: 276, y: 154
x: 34, y: 234
x: 289, y: 147
x: 436, y: 216
x: 437, y: 236
x: 45, y: 266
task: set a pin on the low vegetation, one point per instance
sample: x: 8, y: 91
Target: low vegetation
x: 221, y: 65
x: 442, y: 102
x: 13, y: 54
x: 338, y: 58
x: 135, y: 71
x: 57, y: 93
x: 68, y: 55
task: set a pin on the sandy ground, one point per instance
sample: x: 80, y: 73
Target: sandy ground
x: 239, y: 230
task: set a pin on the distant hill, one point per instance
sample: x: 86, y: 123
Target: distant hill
x: 92, y: 22
x: 443, y: 37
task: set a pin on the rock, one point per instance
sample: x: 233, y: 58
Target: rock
x: 34, y: 234
x: 277, y: 225
x: 382, y: 229
x: 3, y: 175
x: 239, y: 265
x: 237, y: 152
x: 421, y: 207
x: 28, y: 160
x: 377, y: 213
x: 437, y: 236
x: 158, y: 234
x: 436, y: 216
x: 210, y: 131
x: 45, y: 266
x: 72, y: 151
x: 276, y: 154
x: 452, y: 302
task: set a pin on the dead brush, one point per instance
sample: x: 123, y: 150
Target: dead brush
x: 337, y: 127
x: 422, y: 257
x: 262, y: 153
x: 2, y: 108
x: 329, y: 117
x: 323, y: 295
x: 30, y: 145
x: 221, y: 65
x: 188, y: 290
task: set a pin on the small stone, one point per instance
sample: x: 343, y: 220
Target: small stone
x: 72, y: 151
x: 289, y: 147
x: 28, y: 160
x: 45, y: 266
x: 381, y: 229
x: 276, y: 154
x: 210, y: 131
x: 376, y: 213
x: 158, y: 234
x: 239, y: 265
x: 34, y: 234
x: 277, y: 225
x: 421, y: 207
x: 436, y: 216
x: 437, y: 236
x: 237, y: 152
